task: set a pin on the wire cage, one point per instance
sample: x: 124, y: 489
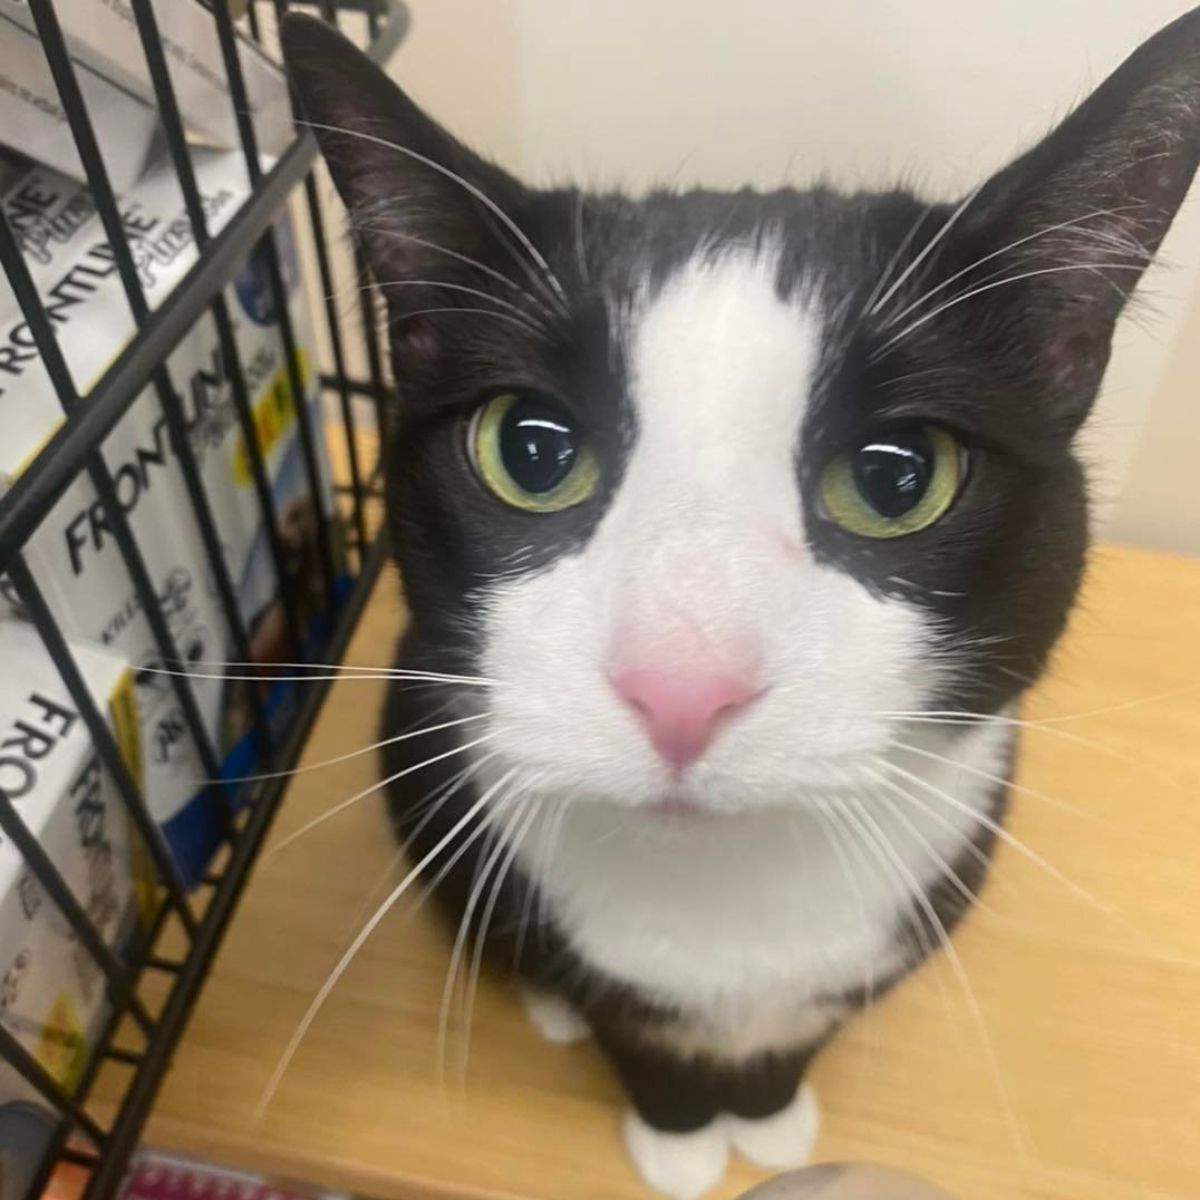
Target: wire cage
x: 150, y: 976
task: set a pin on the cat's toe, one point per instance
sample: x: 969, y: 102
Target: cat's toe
x: 554, y: 1018
x: 785, y: 1139
x: 680, y: 1165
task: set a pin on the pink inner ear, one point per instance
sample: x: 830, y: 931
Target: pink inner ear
x: 681, y: 711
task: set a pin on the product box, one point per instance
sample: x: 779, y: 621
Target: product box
x: 52, y: 993
x: 32, y: 119
x: 73, y: 554
x: 156, y: 1175
x: 103, y: 34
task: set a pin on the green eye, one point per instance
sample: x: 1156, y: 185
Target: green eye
x: 530, y: 455
x: 894, y: 483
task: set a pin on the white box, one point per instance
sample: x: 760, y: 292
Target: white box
x: 73, y: 554
x: 52, y: 993
x: 103, y: 34
x: 32, y: 119
x: 76, y: 274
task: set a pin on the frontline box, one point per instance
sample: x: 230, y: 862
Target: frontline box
x: 103, y: 35
x: 74, y: 555
x: 52, y: 994
x: 32, y: 119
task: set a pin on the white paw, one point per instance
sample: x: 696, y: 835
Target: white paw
x: 783, y: 1140
x: 554, y: 1018
x: 680, y: 1165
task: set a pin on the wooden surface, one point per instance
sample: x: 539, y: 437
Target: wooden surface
x: 1073, y: 1073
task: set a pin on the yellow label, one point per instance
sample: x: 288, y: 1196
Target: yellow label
x: 123, y: 713
x: 274, y: 412
x: 62, y: 1049
x: 29, y: 458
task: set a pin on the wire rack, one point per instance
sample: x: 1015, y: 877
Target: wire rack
x: 153, y: 981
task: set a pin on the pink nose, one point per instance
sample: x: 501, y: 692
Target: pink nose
x: 681, y: 713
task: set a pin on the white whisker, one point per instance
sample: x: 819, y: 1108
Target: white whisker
x: 329, y: 814
x: 398, y: 675
x: 892, y: 263
x: 928, y: 248
x: 1040, y: 233
x: 499, y: 276
x: 910, y: 328
x: 546, y: 275
x: 348, y: 957
x: 507, y: 305
x: 1000, y: 780
x: 533, y: 804
x: 948, y: 871
x: 219, y: 664
x: 350, y: 754
x: 477, y: 312
x: 827, y: 817
x: 956, y: 964
x: 430, y: 804
x: 965, y: 720
x: 969, y: 846
x: 1015, y: 843
x: 490, y: 858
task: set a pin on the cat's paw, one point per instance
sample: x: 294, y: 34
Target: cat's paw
x: 785, y: 1139
x: 554, y: 1018
x: 680, y: 1165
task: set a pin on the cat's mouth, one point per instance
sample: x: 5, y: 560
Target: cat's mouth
x: 678, y: 804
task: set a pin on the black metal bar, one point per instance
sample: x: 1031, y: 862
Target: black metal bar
x: 356, y: 387
x: 28, y: 1067
x: 243, y: 115
x: 58, y: 1148
x: 119, y: 977
x: 164, y: 90
x: 308, y: 442
x: 128, y: 1057
x: 227, y: 36
x: 127, y: 1125
x: 76, y: 1158
x: 339, y: 359
x: 44, y: 481
x: 105, y: 200
x: 60, y: 654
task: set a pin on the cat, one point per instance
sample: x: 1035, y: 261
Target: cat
x: 733, y: 527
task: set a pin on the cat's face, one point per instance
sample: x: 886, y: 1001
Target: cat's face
x: 720, y: 491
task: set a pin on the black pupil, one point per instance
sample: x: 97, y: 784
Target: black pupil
x: 892, y: 471
x: 537, y: 446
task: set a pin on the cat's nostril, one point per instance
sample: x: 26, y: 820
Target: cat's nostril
x: 682, y: 712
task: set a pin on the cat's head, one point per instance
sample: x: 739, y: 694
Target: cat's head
x: 717, y: 489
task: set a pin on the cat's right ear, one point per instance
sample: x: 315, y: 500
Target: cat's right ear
x: 413, y: 192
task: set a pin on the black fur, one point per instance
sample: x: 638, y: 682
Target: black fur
x: 1012, y: 373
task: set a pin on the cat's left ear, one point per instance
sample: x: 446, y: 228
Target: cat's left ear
x: 1079, y: 217
x: 414, y: 193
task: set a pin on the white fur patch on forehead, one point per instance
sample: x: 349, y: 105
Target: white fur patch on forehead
x: 719, y: 359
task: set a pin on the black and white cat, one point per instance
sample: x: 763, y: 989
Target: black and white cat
x: 753, y: 515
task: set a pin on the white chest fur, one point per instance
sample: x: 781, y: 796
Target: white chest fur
x: 753, y: 926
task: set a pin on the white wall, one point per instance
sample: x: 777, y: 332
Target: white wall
x: 940, y: 92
